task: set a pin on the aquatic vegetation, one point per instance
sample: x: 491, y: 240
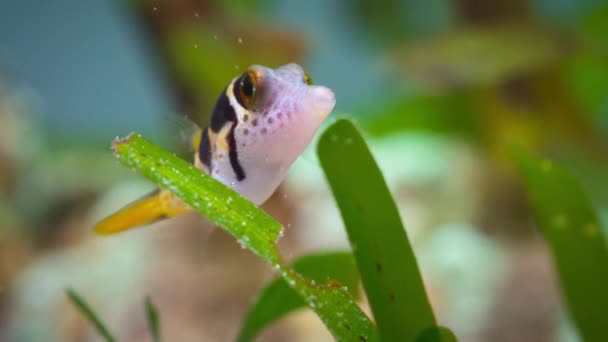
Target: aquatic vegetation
x: 381, y: 253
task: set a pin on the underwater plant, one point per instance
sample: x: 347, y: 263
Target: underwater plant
x: 381, y: 257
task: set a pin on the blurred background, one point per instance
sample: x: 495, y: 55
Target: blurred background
x: 438, y: 86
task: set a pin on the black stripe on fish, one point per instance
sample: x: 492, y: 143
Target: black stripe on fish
x: 224, y: 114
x: 233, y: 154
x: 204, y: 150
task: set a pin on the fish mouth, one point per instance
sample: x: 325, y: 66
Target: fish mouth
x: 323, y: 101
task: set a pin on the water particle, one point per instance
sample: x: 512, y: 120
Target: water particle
x: 240, y: 40
x: 236, y: 67
x: 229, y: 200
x: 215, y: 36
x: 348, y: 141
x: 155, y: 8
x: 196, y: 46
x: 334, y: 138
x: 196, y: 15
x: 244, y: 223
x: 560, y: 221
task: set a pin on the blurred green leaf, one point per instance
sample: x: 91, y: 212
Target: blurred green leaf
x: 86, y: 310
x: 152, y: 316
x: 570, y: 227
x: 437, y: 333
x: 278, y: 299
x: 479, y: 56
x: 250, y: 225
x: 586, y: 76
x: 380, y: 245
x: 451, y: 114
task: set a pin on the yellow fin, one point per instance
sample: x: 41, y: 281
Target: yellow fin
x: 155, y: 206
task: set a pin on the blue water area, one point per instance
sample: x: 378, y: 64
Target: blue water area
x: 88, y: 64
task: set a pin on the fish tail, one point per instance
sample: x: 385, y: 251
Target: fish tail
x: 155, y: 206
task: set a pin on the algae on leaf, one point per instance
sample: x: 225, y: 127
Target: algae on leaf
x: 277, y: 299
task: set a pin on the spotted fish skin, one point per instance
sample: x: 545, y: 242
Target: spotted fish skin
x: 260, y: 124
x: 250, y: 146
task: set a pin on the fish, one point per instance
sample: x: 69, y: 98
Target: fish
x: 260, y: 124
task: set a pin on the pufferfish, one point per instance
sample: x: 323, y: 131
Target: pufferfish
x: 261, y: 123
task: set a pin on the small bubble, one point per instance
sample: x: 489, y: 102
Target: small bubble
x: 244, y: 223
x: 196, y: 46
x: 334, y: 138
x: 215, y: 36
x: 196, y: 15
x: 239, y: 40
x: 348, y: 141
x: 155, y: 8
x: 236, y: 67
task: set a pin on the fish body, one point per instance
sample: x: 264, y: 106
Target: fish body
x: 261, y: 123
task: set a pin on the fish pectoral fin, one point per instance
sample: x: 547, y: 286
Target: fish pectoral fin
x: 158, y: 205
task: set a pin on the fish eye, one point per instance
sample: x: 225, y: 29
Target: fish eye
x: 307, y: 78
x: 247, y: 89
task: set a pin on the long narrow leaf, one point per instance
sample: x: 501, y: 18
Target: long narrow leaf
x: 152, y: 316
x: 278, y: 299
x: 384, y: 256
x: 86, y: 310
x: 569, y: 225
x: 253, y: 228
